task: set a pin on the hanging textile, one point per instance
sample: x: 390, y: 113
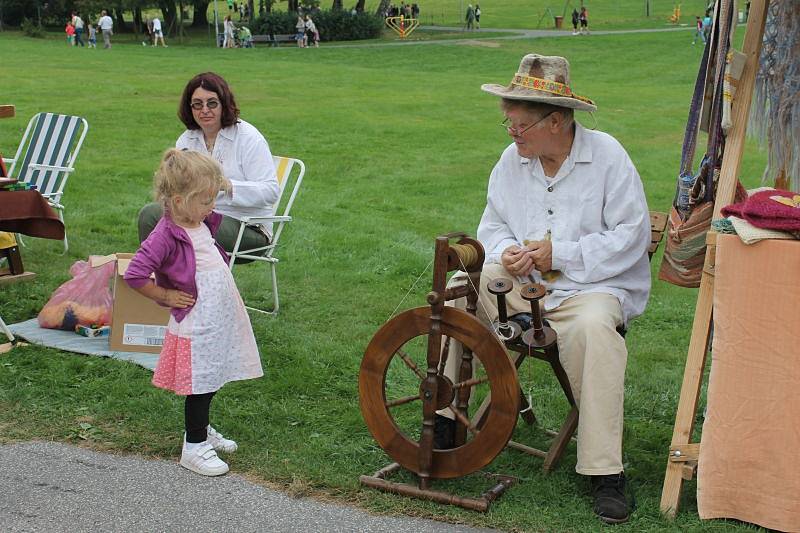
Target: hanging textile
x: 775, y: 113
x: 693, y: 205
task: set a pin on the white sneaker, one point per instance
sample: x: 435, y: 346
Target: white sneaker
x: 220, y: 443
x: 203, y: 460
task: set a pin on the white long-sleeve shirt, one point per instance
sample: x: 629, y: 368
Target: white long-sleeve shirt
x: 595, y: 210
x: 247, y: 162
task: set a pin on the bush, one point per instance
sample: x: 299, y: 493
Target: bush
x: 31, y: 28
x: 337, y: 25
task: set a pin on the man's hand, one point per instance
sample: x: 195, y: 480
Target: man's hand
x: 541, y: 253
x: 517, y: 261
x: 177, y: 299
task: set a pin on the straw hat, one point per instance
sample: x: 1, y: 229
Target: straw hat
x: 542, y: 79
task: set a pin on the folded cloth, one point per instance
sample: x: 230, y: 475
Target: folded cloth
x: 27, y: 212
x: 751, y: 234
x: 769, y: 209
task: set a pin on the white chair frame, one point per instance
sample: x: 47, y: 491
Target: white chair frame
x: 47, y: 161
x: 284, y: 167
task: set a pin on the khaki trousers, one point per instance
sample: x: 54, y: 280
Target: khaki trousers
x: 592, y: 353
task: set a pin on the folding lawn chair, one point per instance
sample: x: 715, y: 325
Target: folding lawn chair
x: 46, y: 156
x: 284, y: 169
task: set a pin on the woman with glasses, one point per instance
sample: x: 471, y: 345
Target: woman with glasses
x: 213, y: 127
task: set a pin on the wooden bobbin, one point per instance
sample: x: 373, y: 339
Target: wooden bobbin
x: 539, y: 336
x: 507, y: 331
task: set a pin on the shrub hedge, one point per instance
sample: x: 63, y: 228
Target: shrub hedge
x: 338, y: 25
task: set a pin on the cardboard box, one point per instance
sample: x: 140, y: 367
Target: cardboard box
x: 138, y: 324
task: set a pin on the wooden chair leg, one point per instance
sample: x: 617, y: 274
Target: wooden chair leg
x: 562, y: 439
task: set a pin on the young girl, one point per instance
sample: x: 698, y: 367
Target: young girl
x: 209, y: 339
x: 92, y: 35
x: 70, y: 31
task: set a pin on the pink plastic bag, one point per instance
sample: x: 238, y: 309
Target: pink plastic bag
x: 85, y: 300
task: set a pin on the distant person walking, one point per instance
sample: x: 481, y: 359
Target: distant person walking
x: 77, y: 22
x: 70, y: 30
x: 106, y: 25
x: 300, y: 32
x: 312, y: 35
x: 478, y: 16
x: 92, y: 36
x: 575, y: 18
x: 707, y: 26
x: 157, y: 33
x: 583, y: 17
x: 469, y: 19
x: 698, y: 31
x: 229, y: 42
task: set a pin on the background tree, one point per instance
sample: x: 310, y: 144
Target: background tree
x: 200, y: 16
x: 382, y: 7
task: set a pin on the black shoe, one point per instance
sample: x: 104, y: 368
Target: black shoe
x: 610, y: 502
x: 444, y: 432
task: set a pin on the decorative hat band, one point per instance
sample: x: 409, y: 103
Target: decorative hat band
x: 548, y: 86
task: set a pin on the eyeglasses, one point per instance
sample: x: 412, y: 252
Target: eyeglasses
x: 516, y: 132
x: 211, y: 104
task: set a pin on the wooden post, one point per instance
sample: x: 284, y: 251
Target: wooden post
x: 698, y: 346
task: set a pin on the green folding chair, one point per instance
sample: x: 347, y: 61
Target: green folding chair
x: 46, y: 156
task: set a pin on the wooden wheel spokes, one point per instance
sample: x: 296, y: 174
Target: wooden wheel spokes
x: 410, y: 364
x: 402, y: 401
x: 410, y: 330
x: 471, y: 382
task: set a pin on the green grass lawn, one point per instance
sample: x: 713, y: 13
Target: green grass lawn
x: 398, y: 143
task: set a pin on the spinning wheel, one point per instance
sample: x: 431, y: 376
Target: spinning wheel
x: 402, y: 377
x: 378, y: 402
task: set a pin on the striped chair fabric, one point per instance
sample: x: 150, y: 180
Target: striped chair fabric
x: 47, y: 153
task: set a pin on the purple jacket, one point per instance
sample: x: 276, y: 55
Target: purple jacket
x: 168, y: 252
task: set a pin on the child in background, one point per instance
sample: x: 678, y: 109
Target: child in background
x: 698, y: 31
x: 70, y: 30
x: 92, y: 36
x: 209, y: 339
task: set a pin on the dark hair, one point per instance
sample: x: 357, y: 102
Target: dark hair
x: 214, y: 83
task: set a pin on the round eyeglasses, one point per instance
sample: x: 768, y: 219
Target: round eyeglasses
x: 515, y: 131
x: 211, y: 104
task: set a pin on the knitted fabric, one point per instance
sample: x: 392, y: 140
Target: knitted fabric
x: 775, y: 209
x: 775, y: 113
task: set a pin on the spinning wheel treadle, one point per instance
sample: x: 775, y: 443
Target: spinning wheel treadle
x: 378, y: 400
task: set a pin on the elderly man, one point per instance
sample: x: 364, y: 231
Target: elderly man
x: 566, y: 207
x: 106, y: 25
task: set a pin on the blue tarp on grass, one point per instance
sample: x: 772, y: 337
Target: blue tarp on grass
x: 72, y: 342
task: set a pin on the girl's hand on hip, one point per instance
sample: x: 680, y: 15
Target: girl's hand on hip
x: 177, y: 299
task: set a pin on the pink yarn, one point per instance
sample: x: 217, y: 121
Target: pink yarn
x: 762, y: 211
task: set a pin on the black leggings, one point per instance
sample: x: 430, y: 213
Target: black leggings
x: 196, y: 411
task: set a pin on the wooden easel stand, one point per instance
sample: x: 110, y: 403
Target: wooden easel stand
x: 683, y: 455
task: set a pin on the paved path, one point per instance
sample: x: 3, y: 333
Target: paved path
x: 512, y: 34
x: 53, y: 487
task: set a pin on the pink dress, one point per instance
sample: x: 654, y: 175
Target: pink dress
x: 214, y: 343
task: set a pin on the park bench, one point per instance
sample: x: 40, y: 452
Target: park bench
x: 274, y: 39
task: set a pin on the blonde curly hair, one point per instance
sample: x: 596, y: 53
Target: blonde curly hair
x: 186, y: 174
